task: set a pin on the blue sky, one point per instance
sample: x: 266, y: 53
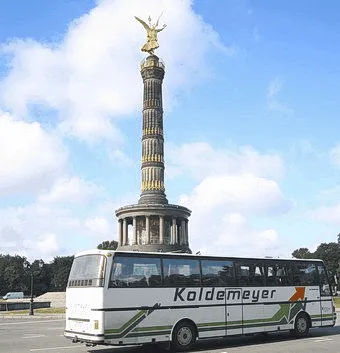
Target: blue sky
x: 251, y: 105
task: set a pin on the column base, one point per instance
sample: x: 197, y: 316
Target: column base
x: 180, y: 248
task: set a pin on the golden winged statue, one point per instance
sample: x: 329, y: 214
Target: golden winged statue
x: 152, y: 31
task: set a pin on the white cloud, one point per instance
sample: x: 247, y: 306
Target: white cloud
x: 92, y: 77
x: 200, y: 160
x: 70, y: 190
x: 48, y: 245
x: 45, y: 230
x: 274, y: 88
x: 63, y: 220
x: 244, y: 193
x: 234, y: 236
x: 328, y: 214
x: 119, y: 157
x: 273, y: 101
x: 99, y: 225
x: 335, y: 155
x: 30, y: 158
x: 10, y: 239
x: 235, y: 187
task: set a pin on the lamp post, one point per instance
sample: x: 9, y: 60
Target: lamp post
x: 30, y: 269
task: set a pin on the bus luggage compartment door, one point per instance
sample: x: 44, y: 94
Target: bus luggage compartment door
x: 233, y: 311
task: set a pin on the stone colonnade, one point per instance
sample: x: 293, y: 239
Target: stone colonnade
x: 153, y: 230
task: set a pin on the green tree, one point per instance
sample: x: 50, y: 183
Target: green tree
x: 42, y: 277
x: 108, y: 245
x: 12, y: 274
x: 302, y: 253
x: 330, y: 254
x: 60, y: 270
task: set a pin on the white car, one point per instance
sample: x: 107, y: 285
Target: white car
x: 13, y: 295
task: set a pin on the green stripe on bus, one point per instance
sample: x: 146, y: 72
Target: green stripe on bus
x: 131, y: 321
x: 153, y: 328
x: 153, y: 333
x: 211, y: 324
x: 323, y: 317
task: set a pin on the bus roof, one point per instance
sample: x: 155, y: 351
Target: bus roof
x: 136, y: 253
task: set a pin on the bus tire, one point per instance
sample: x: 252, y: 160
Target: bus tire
x: 184, y: 336
x: 301, y: 326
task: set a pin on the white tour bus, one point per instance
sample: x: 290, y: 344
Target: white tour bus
x: 124, y: 298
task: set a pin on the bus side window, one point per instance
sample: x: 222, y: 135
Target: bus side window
x: 243, y: 273
x: 271, y: 275
x: 250, y: 274
x: 258, y: 275
x: 325, y: 288
x: 180, y: 272
x: 217, y: 273
x: 279, y: 274
x: 305, y: 274
x: 283, y: 274
x: 133, y: 271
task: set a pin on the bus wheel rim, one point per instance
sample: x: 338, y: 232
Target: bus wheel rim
x: 184, y: 336
x: 301, y: 324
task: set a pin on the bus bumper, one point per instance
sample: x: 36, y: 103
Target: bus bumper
x: 80, y: 337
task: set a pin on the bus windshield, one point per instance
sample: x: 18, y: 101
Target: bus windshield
x: 87, y: 271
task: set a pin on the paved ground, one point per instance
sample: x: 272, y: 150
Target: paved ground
x: 46, y: 335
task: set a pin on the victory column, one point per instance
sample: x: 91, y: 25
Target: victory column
x: 155, y: 224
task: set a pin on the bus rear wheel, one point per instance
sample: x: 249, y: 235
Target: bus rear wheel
x: 184, y: 336
x: 301, y: 327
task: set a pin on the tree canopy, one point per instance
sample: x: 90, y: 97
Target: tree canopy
x: 108, y: 245
x: 302, y: 253
x: 51, y: 277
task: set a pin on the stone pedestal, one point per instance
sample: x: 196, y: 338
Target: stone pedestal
x: 154, y: 227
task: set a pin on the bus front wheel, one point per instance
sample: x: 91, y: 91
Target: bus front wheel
x: 301, y: 327
x: 184, y: 336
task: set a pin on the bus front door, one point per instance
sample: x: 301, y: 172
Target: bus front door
x: 233, y: 311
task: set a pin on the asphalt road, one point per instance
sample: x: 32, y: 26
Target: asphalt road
x: 46, y: 335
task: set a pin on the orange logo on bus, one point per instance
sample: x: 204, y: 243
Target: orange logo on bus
x: 299, y: 294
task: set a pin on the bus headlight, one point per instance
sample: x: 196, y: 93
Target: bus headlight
x: 96, y: 324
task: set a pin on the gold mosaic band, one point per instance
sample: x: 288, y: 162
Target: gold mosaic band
x: 153, y: 185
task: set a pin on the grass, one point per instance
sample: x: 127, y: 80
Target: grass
x: 38, y: 311
x: 337, y: 302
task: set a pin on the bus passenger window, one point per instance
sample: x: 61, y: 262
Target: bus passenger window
x: 250, y: 274
x: 282, y: 275
x: 279, y: 274
x: 180, y: 272
x: 257, y: 275
x: 217, y: 273
x: 305, y: 274
x: 243, y: 273
x: 325, y: 288
x: 271, y: 276
x: 131, y: 271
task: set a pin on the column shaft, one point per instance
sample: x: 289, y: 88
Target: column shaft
x: 173, y: 231
x: 134, y: 229
x: 147, y: 226
x: 124, y: 231
x: 182, y: 234
x: 161, y: 230
x: 186, y: 232
x: 120, y: 232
